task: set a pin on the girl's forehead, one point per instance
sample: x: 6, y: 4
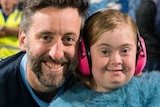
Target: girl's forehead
x: 119, y: 34
x: 121, y: 31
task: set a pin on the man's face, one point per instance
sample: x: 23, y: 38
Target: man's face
x: 51, y: 44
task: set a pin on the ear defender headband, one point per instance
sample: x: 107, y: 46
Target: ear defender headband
x: 84, y: 58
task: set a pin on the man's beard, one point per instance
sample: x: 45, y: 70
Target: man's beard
x: 47, y: 78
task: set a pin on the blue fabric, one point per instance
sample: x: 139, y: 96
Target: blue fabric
x: 101, y: 4
x: 127, y: 6
x: 124, y: 5
x: 132, y: 7
x: 24, y: 78
x: 13, y: 92
x: 143, y: 91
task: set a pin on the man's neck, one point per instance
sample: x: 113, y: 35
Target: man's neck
x: 46, y: 96
x: 43, y: 93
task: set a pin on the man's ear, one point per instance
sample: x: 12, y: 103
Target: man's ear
x: 22, y: 40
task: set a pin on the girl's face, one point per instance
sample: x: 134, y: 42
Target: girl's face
x: 113, y: 58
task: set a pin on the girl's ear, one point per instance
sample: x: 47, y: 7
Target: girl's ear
x: 22, y: 40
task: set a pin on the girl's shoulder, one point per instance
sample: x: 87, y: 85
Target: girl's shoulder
x: 73, y: 96
x: 152, y: 78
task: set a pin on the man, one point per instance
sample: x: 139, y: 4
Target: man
x: 48, y: 37
x: 10, y: 18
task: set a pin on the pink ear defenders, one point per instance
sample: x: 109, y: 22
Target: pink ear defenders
x: 84, y: 64
x: 141, y: 55
x: 84, y: 59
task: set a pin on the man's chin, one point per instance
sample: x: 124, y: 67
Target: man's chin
x: 55, y: 81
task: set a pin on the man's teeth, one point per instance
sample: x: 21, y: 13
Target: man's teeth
x: 53, y: 65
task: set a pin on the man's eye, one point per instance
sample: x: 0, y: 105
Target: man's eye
x: 46, y: 38
x: 69, y: 40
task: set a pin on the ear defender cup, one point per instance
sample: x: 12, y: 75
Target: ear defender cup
x: 142, y: 56
x: 83, y: 58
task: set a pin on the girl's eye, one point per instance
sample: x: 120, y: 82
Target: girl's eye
x: 106, y: 52
x: 125, y: 51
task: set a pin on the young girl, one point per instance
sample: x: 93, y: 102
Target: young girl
x: 112, y: 45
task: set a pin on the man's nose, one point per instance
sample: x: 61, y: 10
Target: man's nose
x: 57, y: 50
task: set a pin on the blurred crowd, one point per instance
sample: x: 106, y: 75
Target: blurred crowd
x: 10, y: 18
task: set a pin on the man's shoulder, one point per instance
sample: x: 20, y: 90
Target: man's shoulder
x: 12, y: 87
x: 10, y: 64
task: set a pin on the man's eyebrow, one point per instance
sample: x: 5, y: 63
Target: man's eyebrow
x: 70, y: 33
x: 47, y: 32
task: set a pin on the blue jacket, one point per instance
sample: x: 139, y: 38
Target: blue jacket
x: 13, y: 91
x: 141, y: 91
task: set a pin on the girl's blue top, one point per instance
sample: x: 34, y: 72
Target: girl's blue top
x: 142, y: 91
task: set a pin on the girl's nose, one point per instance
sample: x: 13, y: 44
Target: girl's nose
x: 115, y: 59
